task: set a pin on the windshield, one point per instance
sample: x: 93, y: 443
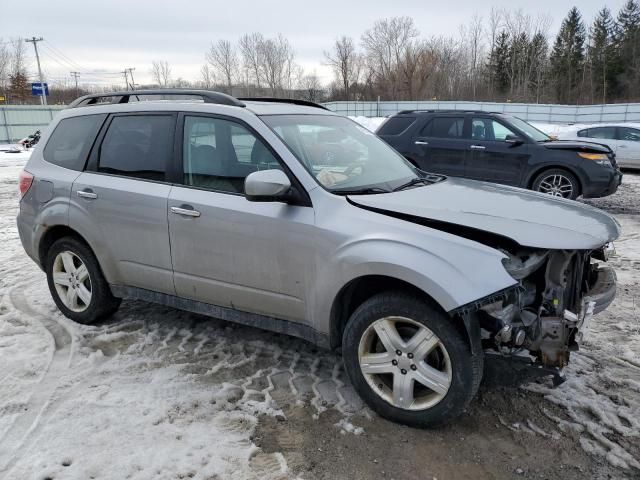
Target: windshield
x: 529, y: 130
x: 343, y: 156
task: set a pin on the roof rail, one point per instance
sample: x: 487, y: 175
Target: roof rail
x: 125, y: 97
x: 294, y: 101
x: 446, y: 110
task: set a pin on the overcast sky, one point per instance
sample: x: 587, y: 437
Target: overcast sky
x: 100, y: 39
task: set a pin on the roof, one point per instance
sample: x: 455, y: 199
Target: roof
x: 457, y: 111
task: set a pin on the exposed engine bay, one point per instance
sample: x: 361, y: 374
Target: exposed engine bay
x: 549, y: 310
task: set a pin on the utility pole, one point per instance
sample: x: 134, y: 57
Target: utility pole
x: 133, y: 83
x: 75, y: 75
x: 126, y: 79
x: 34, y: 40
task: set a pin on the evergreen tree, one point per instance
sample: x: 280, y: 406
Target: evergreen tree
x: 538, y: 50
x: 567, y: 58
x: 19, y: 87
x: 499, y: 63
x: 602, y: 55
x: 627, y: 46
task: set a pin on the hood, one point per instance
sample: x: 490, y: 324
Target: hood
x: 528, y: 218
x: 577, y: 145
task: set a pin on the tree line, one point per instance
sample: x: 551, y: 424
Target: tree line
x: 506, y: 56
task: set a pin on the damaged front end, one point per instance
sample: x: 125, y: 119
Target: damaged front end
x: 549, y: 310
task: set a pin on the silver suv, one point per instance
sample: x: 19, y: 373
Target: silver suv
x: 285, y: 216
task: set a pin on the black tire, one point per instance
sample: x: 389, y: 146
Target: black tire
x: 103, y: 303
x: 466, y: 369
x: 570, y: 177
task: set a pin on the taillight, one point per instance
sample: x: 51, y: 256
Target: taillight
x: 26, y: 179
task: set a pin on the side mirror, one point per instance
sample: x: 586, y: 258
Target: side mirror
x: 267, y: 186
x: 513, y: 140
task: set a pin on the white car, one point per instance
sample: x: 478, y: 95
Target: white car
x: 622, y: 138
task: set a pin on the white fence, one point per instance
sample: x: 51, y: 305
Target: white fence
x: 622, y: 112
x: 18, y: 121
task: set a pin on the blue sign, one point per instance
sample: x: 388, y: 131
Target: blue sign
x: 36, y: 89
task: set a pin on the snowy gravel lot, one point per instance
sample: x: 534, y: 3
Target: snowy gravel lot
x: 158, y: 393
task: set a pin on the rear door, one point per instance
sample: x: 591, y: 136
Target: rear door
x: 490, y: 157
x: 628, y: 151
x: 442, y: 145
x: 251, y: 256
x: 119, y: 203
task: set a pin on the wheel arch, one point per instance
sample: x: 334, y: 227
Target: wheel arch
x: 54, y: 233
x: 360, y: 289
x: 535, y: 173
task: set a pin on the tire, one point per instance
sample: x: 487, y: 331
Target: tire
x: 67, y: 254
x: 557, y: 182
x: 451, y: 357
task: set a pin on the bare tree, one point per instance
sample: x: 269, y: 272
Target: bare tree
x: 223, y: 59
x: 5, y: 65
x: 251, y: 50
x: 495, y: 25
x: 206, y: 76
x: 161, y: 72
x: 345, y: 63
x: 311, y: 87
x: 276, y: 64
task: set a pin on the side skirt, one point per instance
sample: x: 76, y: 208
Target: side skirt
x: 229, y: 314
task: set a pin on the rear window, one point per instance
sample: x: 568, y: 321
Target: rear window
x: 138, y: 146
x: 396, y: 125
x: 71, y: 141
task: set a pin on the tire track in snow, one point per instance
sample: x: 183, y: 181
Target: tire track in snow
x: 19, y: 432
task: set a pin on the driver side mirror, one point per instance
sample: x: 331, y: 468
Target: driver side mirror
x: 513, y: 140
x: 267, y: 186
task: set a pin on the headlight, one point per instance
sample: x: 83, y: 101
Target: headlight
x: 600, y: 158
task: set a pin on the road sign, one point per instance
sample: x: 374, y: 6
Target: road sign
x: 2, y: 98
x: 36, y: 89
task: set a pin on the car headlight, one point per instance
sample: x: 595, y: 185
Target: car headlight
x: 599, y: 158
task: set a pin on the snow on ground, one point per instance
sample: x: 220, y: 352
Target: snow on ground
x: 154, y: 392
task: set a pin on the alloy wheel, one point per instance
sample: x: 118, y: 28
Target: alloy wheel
x: 557, y: 185
x: 72, y: 281
x: 405, y: 363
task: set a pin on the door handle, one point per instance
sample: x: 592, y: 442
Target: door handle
x: 420, y: 142
x: 186, y: 210
x: 478, y: 147
x: 87, y: 193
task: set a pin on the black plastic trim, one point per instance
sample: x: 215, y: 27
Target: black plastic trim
x: 124, y: 96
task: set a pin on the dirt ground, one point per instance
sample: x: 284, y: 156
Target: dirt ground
x: 159, y: 393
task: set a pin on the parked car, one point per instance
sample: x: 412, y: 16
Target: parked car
x: 503, y: 149
x: 622, y: 138
x: 245, y: 210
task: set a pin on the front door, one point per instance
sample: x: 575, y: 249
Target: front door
x: 228, y: 251
x: 441, y: 146
x: 491, y: 157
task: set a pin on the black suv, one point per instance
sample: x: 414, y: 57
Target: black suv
x: 503, y: 149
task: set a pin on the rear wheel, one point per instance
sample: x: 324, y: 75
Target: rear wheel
x: 76, y: 282
x: 558, y: 183
x: 408, y: 361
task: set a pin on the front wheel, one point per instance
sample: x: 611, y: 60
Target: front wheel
x: 408, y: 361
x: 558, y: 183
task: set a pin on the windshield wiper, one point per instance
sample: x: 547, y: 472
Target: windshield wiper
x: 361, y: 191
x: 412, y: 182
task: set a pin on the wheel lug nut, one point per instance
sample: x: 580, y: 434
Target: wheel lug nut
x: 403, y: 371
x: 410, y: 355
x: 398, y: 352
x: 413, y: 367
x: 394, y: 362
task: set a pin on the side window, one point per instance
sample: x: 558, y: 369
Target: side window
x: 396, y: 125
x: 583, y: 133
x: 219, y: 154
x: 71, y: 141
x: 138, y: 146
x: 628, y: 134
x: 489, y: 130
x: 606, y: 133
x: 445, y: 127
